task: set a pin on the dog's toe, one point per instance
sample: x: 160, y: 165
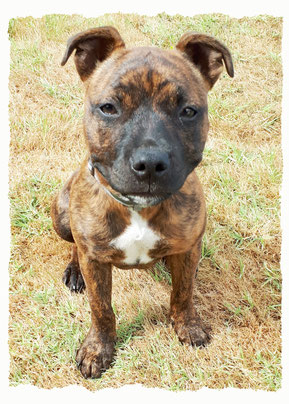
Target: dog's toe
x: 73, y: 279
x: 192, y: 333
x: 94, y: 358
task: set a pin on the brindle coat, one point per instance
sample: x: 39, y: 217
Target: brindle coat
x: 145, y: 93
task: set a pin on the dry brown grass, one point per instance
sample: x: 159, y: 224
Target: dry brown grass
x: 239, y: 282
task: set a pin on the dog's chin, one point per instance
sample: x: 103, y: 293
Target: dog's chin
x: 146, y: 200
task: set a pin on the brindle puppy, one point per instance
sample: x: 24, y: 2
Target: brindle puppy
x: 136, y: 198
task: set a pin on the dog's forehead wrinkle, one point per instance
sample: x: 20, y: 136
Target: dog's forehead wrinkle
x: 140, y: 59
x: 147, y: 71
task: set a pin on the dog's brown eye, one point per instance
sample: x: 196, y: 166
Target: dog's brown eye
x: 108, y: 109
x: 188, y: 112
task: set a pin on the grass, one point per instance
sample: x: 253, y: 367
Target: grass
x: 238, y: 287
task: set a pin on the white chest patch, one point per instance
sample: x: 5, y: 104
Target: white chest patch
x: 136, y: 241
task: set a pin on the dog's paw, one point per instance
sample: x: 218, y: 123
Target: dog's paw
x: 94, y: 358
x: 192, y: 333
x: 73, y: 279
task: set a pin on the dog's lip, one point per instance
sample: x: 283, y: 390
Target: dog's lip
x: 146, y: 199
x: 147, y: 195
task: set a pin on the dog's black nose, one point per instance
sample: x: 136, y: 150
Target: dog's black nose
x: 149, y: 162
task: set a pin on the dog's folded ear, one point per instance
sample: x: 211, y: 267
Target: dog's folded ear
x: 207, y: 54
x: 92, y: 46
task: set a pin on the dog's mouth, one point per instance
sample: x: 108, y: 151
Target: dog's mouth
x: 135, y: 200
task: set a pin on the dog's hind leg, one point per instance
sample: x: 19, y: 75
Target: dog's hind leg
x: 60, y: 211
x: 72, y: 276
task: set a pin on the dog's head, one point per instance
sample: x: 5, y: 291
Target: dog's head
x: 146, y: 114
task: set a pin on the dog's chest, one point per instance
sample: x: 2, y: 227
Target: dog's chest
x: 136, y: 241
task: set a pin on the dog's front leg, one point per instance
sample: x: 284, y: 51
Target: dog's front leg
x: 185, y: 319
x: 96, y: 352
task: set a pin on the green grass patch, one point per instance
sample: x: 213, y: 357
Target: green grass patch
x: 127, y: 330
x: 160, y: 273
x: 32, y: 214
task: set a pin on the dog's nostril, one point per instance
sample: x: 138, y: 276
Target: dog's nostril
x: 139, y: 167
x: 161, y: 167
